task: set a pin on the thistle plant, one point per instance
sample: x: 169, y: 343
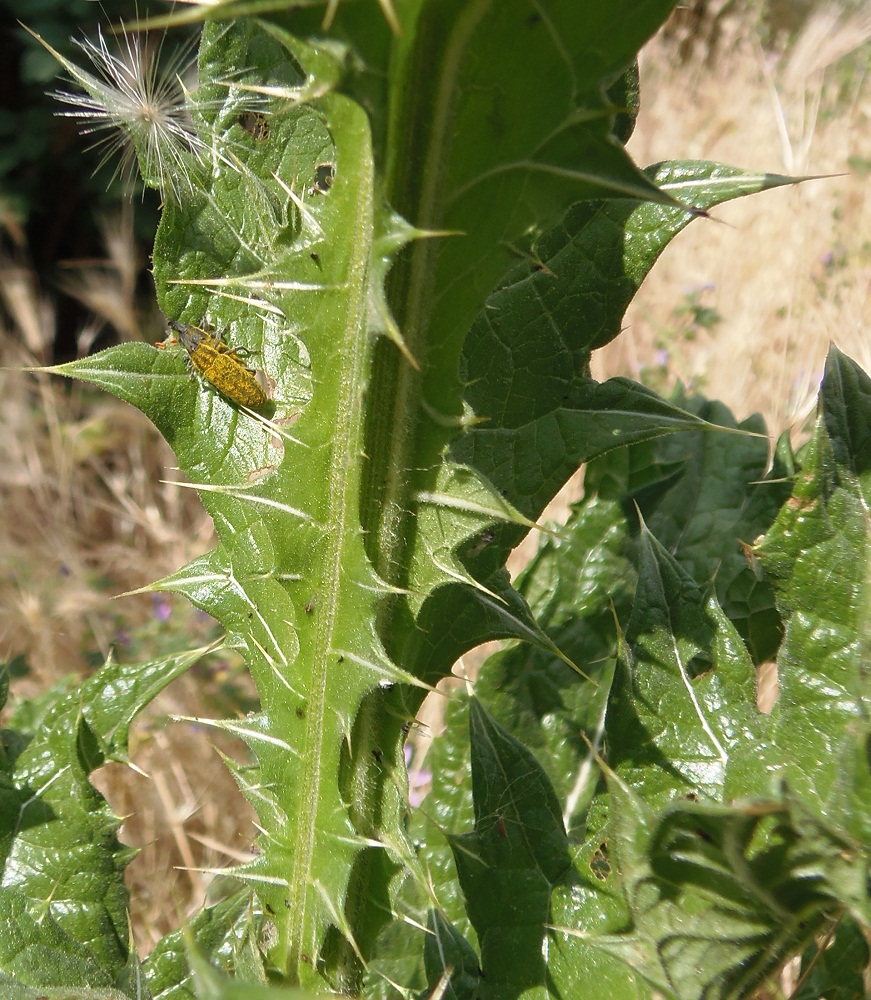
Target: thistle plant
x: 416, y: 229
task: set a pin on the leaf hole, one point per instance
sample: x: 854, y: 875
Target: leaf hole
x: 325, y: 174
x: 600, y: 862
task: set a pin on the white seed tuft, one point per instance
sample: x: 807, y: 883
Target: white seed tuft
x: 144, y: 108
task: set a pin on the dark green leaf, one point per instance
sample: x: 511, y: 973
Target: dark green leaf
x: 525, y: 365
x: 719, y: 895
x: 64, y: 903
x: 508, y: 866
x: 221, y: 934
x: 706, y: 497
x: 818, y: 554
x: 450, y: 959
x: 682, y: 718
x: 834, y: 969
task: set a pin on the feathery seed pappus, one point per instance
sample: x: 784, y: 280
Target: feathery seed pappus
x: 220, y: 365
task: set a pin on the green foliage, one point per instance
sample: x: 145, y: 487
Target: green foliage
x: 63, y: 900
x: 722, y: 840
x: 419, y: 244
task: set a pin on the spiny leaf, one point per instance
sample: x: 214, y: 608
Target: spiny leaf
x: 64, y: 901
x: 719, y: 895
x: 681, y: 715
x: 451, y: 963
x: 508, y: 866
x: 525, y: 364
x: 531, y: 326
x: 818, y: 554
x: 706, y: 497
x: 220, y: 934
x: 492, y: 169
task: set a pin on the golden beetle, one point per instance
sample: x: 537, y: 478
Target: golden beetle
x: 220, y: 365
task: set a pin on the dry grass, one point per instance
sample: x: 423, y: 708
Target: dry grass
x: 788, y: 270
x: 87, y: 516
x: 183, y: 810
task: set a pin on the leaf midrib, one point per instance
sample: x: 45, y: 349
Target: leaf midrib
x: 398, y: 428
x: 343, y: 528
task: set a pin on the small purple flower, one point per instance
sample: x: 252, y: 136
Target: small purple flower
x: 419, y: 781
x: 161, y: 609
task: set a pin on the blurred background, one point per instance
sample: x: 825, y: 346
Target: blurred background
x: 741, y: 307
